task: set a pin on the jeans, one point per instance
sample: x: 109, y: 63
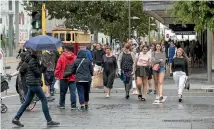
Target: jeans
x: 32, y: 90
x: 83, y: 91
x: 64, y: 85
x: 52, y: 89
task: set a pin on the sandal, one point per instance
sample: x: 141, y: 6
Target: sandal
x: 143, y: 99
x: 140, y: 97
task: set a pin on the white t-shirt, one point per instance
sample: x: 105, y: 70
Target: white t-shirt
x: 143, y: 59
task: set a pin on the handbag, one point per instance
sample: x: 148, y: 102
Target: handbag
x: 156, y: 67
x: 187, y: 84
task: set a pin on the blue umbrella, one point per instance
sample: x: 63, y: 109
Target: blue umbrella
x: 43, y: 42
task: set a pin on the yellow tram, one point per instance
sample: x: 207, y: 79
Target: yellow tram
x: 78, y: 38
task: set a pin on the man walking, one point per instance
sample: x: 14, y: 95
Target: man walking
x: 64, y: 65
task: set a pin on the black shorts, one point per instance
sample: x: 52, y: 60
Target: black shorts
x: 49, y: 77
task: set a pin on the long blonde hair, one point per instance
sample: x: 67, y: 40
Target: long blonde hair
x: 183, y: 54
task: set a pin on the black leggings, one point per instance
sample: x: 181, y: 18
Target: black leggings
x: 108, y: 79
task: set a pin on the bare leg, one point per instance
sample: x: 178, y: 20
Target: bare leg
x: 156, y: 78
x: 139, y: 85
x: 144, y: 80
x: 160, y: 83
x: 47, y: 93
x: 150, y: 83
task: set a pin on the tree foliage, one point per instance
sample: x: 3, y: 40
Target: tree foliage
x: 110, y: 17
x: 199, y: 13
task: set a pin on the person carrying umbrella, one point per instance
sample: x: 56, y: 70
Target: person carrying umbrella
x: 33, y: 81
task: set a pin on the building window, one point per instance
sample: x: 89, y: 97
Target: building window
x: 10, y: 5
x: 62, y: 36
x: 68, y: 37
x: 0, y: 20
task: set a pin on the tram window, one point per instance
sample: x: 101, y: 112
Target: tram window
x: 56, y: 35
x: 73, y: 39
x: 62, y: 36
x: 68, y: 37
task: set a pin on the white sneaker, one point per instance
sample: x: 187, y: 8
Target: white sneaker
x: 157, y: 97
x: 107, y: 96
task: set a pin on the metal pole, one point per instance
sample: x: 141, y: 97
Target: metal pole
x: 17, y: 23
x: 43, y: 33
x: 129, y: 19
x: 10, y: 30
x: 209, y: 56
x: 149, y: 32
x: 43, y: 19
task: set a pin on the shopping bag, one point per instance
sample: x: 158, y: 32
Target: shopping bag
x: 97, y: 81
x: 57, y: 84
x: 187, y: 84
x: 97, y: 68
x: 134, y: 84
x: 134, y: 87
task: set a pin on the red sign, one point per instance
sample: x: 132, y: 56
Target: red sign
x: 167, y: 35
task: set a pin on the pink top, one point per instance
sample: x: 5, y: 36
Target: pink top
x: 143, y: 59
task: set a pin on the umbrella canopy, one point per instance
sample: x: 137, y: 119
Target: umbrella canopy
x: 43, y: 42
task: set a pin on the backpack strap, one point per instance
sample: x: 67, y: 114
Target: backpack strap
x: 80, y: 64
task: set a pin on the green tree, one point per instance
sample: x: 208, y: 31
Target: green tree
x: 110, y: 17
x: 199, y: 13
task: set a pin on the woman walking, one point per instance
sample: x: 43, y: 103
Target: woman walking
x: 83, y: 70
x: 158, y: 62
x: 180, y: 71
x: 109, y: 70
x: 125, y: 67
x: 33, y: 81
x: 142, y: 71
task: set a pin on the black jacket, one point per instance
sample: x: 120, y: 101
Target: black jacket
x: 85, y: 70
x: 34, y: 72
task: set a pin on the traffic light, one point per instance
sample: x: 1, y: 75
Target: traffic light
x: 36, y: 20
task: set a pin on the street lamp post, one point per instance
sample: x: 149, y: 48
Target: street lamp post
x: 149, y: 31
x: 129, y: 19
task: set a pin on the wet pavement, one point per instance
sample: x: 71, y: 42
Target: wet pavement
x: 196, y: 111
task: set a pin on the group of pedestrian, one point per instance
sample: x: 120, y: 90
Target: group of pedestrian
x: 74, y: 72
x: 148, y: 64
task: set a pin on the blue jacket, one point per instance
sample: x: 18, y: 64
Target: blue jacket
x: 89, y: 55
x: 172, y: 52
x: 84, y: 70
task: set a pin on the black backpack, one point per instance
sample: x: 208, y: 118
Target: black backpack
x: 67, y: 67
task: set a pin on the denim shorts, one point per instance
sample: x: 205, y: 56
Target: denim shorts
x: 160, y: 70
